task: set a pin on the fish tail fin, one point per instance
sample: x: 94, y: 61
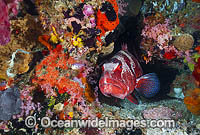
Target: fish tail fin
x: 148, y: 85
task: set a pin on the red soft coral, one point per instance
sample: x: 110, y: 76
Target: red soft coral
x: 54, y: 71
x: 196, y: 72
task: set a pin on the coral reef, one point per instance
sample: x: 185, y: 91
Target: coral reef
x: 50, y: 63
x: 196, y: 72
x: 23, y: 36
x: 160, y: 112
x: 9, y: 103
x: 7, y: 8
x: 53, y: 70
x: 183, y: 42
x: 122, y: 5
x: 192, y: 101
x: 185, y: 81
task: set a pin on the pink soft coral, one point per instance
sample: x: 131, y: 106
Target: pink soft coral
x: 4, y: 24
x: 5, y: 7
x: 159, y: 33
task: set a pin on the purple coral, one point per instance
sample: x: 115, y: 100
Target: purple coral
x: 27, y: 105
x: 88, y: 10
x: 48, y: 90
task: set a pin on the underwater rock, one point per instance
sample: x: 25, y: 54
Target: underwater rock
x: 134, y: 7
x: 160, y: 112
x: 184, y: 81
x: 196, y: 36
x: 10, y: 103
x: 184, y: 42
x: 136, y: 131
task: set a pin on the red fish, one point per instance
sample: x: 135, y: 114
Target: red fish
x: 122, y: 74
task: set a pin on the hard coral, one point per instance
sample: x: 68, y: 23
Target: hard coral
x: 192, y: 101
x: 184, y: 42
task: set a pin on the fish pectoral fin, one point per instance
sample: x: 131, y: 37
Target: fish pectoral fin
x: 133, y: 99
x: 148, y: 85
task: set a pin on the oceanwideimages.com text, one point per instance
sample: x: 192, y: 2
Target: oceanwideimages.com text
x: 46, y: 122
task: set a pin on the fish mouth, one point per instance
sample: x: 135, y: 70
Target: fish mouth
x: 116, y: 89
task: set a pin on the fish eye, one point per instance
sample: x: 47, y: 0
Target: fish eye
x: 119, y: 67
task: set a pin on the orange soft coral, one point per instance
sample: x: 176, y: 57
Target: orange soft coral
x: 53, y: 70
x: 192, y: 101
x: 103, y: 23
x: 88, y: 92
x: 44, y: 40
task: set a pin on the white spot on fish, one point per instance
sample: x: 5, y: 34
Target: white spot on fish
x: 110, y: 66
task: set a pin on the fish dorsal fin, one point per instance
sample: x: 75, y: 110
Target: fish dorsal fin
x: 124, y: 47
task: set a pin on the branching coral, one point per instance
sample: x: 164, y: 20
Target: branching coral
x: 159, y: 32
x: 192, y: 101
x: 156, y: 37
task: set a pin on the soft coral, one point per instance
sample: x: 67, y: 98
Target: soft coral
x: 5, y: 7
x: 192, y: 101
x: 196, y: 72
